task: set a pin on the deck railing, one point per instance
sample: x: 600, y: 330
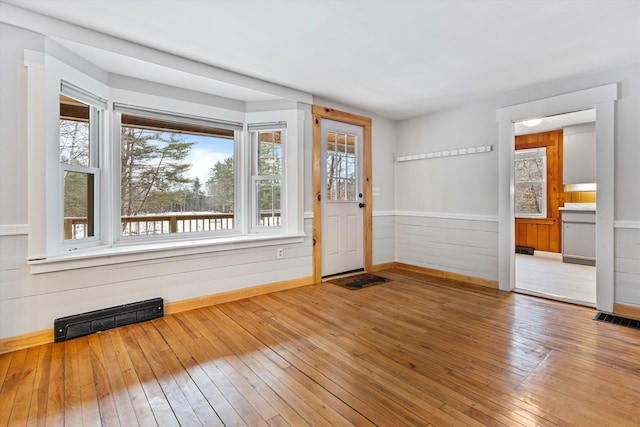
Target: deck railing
x: 142, y: 225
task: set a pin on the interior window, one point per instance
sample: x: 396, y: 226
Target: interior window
x: 530, y: 181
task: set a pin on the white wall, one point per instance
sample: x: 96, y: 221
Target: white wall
x: 447, y: 207
x: 465, y: 188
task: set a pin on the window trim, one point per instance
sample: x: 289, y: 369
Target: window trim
x: 149, y: 113
x: 97, y: 107
x: 529, y: 153
x: 46, y: 251
x: 253, y: 130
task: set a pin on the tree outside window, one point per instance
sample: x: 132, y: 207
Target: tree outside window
x: 530, y: 180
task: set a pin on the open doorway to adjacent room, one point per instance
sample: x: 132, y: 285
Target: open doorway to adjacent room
x: 555, y: 200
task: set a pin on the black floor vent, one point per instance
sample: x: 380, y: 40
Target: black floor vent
x: 617, y: 320
x: 100, y: 320
x: 527, y: 250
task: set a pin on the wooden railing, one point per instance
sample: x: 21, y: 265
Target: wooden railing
x: 142, y: 225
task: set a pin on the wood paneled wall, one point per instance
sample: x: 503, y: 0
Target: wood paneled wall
x: 544, y: 234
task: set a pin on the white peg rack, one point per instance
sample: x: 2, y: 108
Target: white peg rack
x: 446, y: 153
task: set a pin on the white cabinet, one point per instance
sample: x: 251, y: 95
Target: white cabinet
x: 579, y: 154
x: 579, y: 237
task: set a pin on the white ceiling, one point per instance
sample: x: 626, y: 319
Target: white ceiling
x: 556, y: 122
x: 396, y: 58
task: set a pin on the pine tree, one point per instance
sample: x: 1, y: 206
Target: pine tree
x: 221, y: 186
x: 152, y: 171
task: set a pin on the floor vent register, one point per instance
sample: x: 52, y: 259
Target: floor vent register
x: 617, y: 320
x: 79, y: 325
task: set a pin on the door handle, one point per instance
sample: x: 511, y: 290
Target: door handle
x: 362, y: 205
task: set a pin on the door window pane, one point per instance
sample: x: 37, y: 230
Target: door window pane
x: 341, y: 167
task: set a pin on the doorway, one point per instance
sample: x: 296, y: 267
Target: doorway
x: 329, y: 124
x: 342, y: 198
x: 554, y: 178
x: 603, y: 99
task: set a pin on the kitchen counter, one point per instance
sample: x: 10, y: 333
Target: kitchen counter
x: 578, y: 207
x: 579, y: 233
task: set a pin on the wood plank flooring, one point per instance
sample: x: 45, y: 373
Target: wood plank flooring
x: 415, y: 351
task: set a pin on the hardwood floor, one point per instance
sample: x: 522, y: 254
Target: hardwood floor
x: 416, y: 351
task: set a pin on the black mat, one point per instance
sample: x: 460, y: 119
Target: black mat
x: 359, y: 281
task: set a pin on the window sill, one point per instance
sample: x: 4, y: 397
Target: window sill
x: 117, y: 254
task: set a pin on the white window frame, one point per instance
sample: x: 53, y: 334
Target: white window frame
x: 254, y: 130
x: 47, y: 250
x: 143, y: 112
x: 530, y: 153
x: 97, y: 108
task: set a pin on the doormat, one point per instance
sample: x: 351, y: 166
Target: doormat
x: 359, y: 281
x: 617, y: 320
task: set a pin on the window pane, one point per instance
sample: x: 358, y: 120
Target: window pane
x: 269, y: 153
x: 341, y: 167
x: 530, y: 169
x: 78, y: 205
x: 74, y: 132
x: 175, y: 181
x: 268, y: 193
x: 530, y: 176
x: 529, y: 198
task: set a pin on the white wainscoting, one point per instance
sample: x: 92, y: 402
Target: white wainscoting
x: 30, y: 303
x: 457, y: 243
x: 384, y: 234
x: 627, y: 263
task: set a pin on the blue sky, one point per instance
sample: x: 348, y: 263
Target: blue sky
x: 205, y: 153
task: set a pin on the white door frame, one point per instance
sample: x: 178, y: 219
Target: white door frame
x: 602, y: 98
x: 320, y: 113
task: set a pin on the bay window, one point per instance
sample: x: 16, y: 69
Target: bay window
x: 118, y: 175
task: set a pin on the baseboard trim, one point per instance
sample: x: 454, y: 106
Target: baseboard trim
x: 21, y: 342
x: 385, y: 266
x: 33, y: 339
x: 193, y: 303
x: 493, y: 284
x: 624, y: 310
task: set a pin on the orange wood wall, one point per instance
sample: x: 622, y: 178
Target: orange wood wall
x: 580, y: 197
x: 544, y: 234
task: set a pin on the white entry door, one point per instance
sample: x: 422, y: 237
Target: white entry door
x: 342, y: 198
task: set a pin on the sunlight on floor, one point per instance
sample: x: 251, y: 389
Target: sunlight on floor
x: 544, y: 274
